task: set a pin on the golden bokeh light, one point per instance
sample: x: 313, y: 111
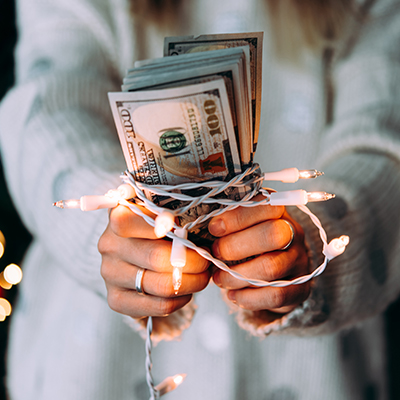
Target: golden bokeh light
x: 3, y: 283
x: 2, y: 244
x: 12, y: 274
x: 5, y: 306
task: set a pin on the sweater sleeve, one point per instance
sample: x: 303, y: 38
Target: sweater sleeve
x: 57, y: 137
x: 360, y: 155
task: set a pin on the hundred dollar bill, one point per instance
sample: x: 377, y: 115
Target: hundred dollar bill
x: 201, y: 67
x: 177, y: 135
x: 190, y: 44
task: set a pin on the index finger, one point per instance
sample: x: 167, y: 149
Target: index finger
x: 125, y: 223
x: 243, y: 217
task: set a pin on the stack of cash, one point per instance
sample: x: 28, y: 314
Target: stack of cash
x: 194, y: 114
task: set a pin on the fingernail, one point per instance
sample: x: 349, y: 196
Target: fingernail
x: 215, y: 250
x: 217, y: 278
x: 217, y: 227
x: 232, y: 296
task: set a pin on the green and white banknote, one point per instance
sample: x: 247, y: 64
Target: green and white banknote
x: 192, y: 115
x: 231, y: 64
x: 174, y: 46
x: 177, y: 135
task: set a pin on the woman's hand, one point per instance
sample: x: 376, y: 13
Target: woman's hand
x: 261, y: 232
x: 128, y: 244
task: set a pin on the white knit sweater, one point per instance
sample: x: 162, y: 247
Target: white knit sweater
x: 58, y: 141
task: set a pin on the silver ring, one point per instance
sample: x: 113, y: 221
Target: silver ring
x: 291, y: 238
x: 139, y: 281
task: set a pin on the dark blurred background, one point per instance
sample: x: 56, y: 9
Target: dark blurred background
x: 18, y: 238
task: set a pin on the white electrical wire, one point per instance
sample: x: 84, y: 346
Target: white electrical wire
x: 149, y: 364
x: 253, y: 186
x: 217, y: 187
x: 248, y: 185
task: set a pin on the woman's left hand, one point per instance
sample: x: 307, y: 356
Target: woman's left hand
x: 261, y: 232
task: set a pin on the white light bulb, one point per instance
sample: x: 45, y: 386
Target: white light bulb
x: 72, y: 203
x: 97, y: 202
x: 177, y: 278
x: 164, y: 222
x: 12, y: 274
x: 336, y: 247
x: 319, y: 196
x: 310, y: 174
x: 178, y: 258
x: 169, y: 384
x: 178, y: 379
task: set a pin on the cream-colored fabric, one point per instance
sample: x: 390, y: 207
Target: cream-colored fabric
x: 58, y: 141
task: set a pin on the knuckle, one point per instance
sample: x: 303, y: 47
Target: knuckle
x: 114, y: 300
x: 278, y: 297
x: 204, y: 279
x: 203, y: 265
x: 271, y: 212
x: 270, y: 266
x: 238, y: 220
x: 105, y: 271
x: 227, y: 250
x: 166, y: 306
x: 162, y: 288
x: 116, y: 222
x: 104, y: 245
x: 305, y: 291
x: 156, y: 255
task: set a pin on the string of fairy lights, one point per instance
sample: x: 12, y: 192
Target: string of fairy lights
x: 9, y: 277
x: 131, y: 194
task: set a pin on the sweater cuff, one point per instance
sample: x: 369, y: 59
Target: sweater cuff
x: 263, y: 323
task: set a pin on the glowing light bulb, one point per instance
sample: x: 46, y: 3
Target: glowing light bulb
x: 13, y: 274
x: 336, y: 247
x: 6, y: 306
x: 169, y: 384
x: 1, y: 249
x: 91, y: 203
x: 178, y: 258
x: 177, y: 278
x: 297, y: 197
x: 310, y: 174
x: 319, y: 196
x: 164, y: 222
x: 73, y: 203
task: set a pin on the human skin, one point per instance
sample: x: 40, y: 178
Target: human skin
x: 259, y: 233
x: 129, y: 243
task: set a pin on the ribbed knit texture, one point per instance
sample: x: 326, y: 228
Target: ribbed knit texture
x: 58, y: 141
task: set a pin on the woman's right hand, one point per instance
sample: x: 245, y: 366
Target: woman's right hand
x: 129, y: 243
